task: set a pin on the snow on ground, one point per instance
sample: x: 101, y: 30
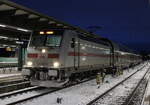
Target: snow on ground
x: 83, y: 93
x: 20, y: 90
x: 146, y: 100
x: 118, y: 95
x: 14, y: 98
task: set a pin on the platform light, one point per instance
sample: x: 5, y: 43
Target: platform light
x: 41, y: 32
x: 19, y: 42
x: 21, y: 29
x: 4, y: 45
x: 16, y: 28
x: 50, y: 32
x: 1, y: 25
x: 3, y: 37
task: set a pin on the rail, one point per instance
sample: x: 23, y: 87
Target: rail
x: 109, y: 90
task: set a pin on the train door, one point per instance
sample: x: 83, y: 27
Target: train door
x: 76, y: 49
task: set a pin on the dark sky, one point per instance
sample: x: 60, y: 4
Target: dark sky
x: 123, y: 21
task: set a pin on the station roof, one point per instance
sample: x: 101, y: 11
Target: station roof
x: 15, y: 20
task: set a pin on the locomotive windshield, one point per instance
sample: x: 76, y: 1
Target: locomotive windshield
x: 53, y: 40
x: 37, y: 41
x: 46, y: 40
x: 50, y: 38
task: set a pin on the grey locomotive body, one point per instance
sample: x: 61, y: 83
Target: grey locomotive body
x: 58, y: 56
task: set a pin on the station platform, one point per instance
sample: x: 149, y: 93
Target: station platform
x: 10, y: 77
x: 9, y: 70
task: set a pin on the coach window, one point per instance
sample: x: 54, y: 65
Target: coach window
x: 8, y: 52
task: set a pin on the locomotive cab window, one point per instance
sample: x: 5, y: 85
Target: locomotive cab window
x: 37, y: 41
x: 53, y: 40
x: 47, y: 38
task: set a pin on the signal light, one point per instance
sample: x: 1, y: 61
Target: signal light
x: 41, y: 32
x: 50, y: 32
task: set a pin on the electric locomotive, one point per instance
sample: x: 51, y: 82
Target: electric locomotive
x: 56, y: 56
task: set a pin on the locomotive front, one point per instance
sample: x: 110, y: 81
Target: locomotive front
x: 42, y: 58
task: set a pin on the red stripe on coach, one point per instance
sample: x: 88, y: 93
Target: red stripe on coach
x: 53, y: 55
x: 86, y: 54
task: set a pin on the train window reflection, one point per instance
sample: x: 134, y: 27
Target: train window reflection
x: 38, y: 40
x: 53, y: 40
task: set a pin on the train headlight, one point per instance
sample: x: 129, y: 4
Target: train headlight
x: 29, y: 63
x: 56, y: 64
x: 43, y: 50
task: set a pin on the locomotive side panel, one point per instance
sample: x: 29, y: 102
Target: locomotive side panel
x: 93, y: 54
x: 87, y: 55
x: 65, y: 49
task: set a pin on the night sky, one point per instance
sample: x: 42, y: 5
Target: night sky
x: 124, y: 21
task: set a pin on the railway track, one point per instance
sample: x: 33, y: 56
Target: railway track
x: 9, y: 98
x: 21, y: 91
x: 11, y: 78
x: 11, y: 82
x: 42, y: 92
x: 38, y: 94
x: 123, y: 92
x: 14, y: 86
x: 136, y: 97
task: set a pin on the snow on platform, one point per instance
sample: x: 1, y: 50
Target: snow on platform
x: 9, y: 75
x: 83, y: 93
x: 21, y: 96
x: 9, y: 70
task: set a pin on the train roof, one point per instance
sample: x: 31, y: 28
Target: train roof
x: 123, y: 48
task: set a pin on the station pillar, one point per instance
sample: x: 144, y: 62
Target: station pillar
x: 21, y: 57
